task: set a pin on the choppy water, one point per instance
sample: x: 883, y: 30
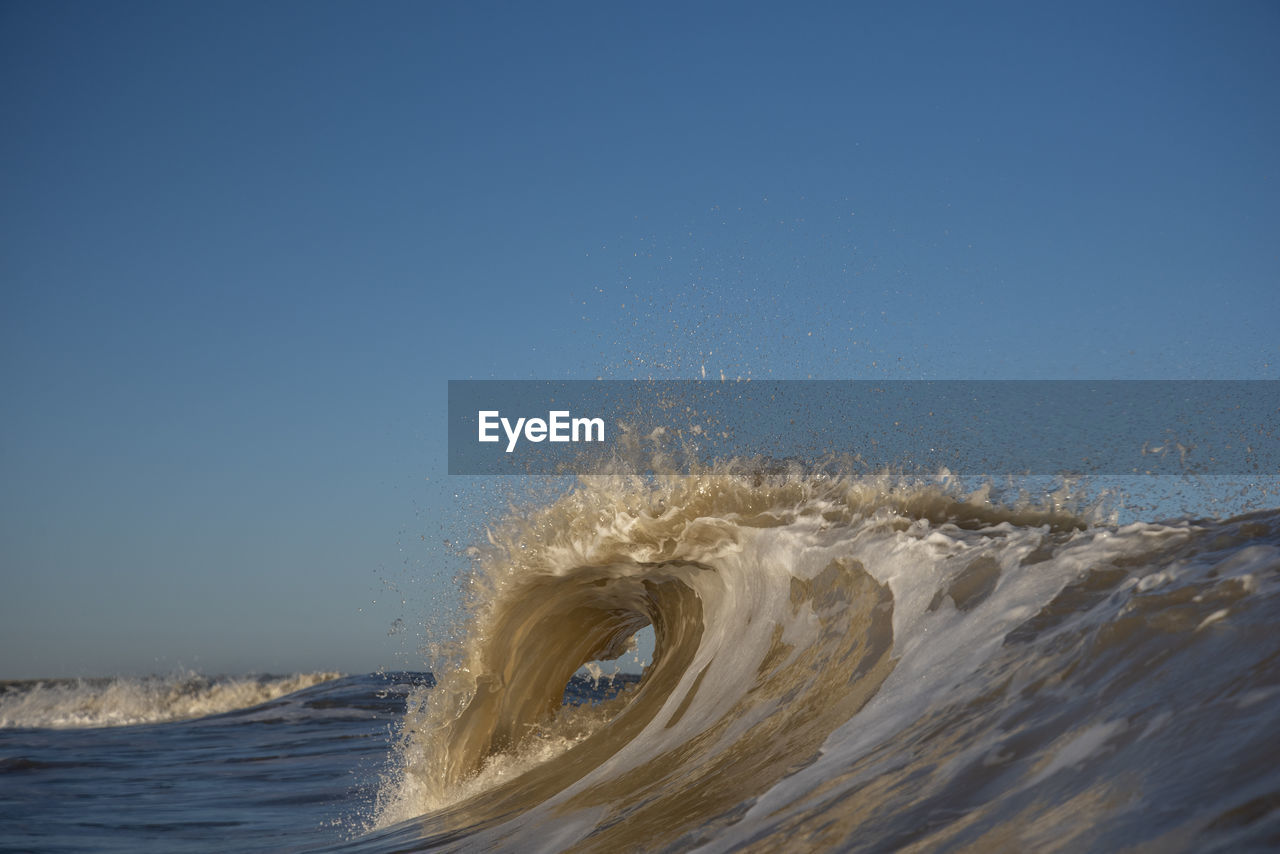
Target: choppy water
x: 289, y: 773
x: 840, y: 664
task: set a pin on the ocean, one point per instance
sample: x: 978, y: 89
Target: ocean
x: 838, y: 664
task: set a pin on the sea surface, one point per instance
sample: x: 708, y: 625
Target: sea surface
x: 839, y: 664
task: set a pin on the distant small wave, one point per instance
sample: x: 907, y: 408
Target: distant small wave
x: 125, y: 701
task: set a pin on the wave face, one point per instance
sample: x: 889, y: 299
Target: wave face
x: 121, y: 701
x: 848, y: 663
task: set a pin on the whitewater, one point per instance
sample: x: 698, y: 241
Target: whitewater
x: 839, y: 663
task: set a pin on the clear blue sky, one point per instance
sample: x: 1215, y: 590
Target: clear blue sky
x: 245, y: 245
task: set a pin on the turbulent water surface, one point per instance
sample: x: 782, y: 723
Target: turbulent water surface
x: 838, y: 664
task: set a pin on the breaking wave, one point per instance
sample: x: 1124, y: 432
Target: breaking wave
x: 122, y: 701
x: 845, y: 662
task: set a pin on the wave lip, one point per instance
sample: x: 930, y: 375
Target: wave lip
x: 127, y: 701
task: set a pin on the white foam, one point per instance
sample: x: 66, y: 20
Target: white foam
x: 1078, y: 748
